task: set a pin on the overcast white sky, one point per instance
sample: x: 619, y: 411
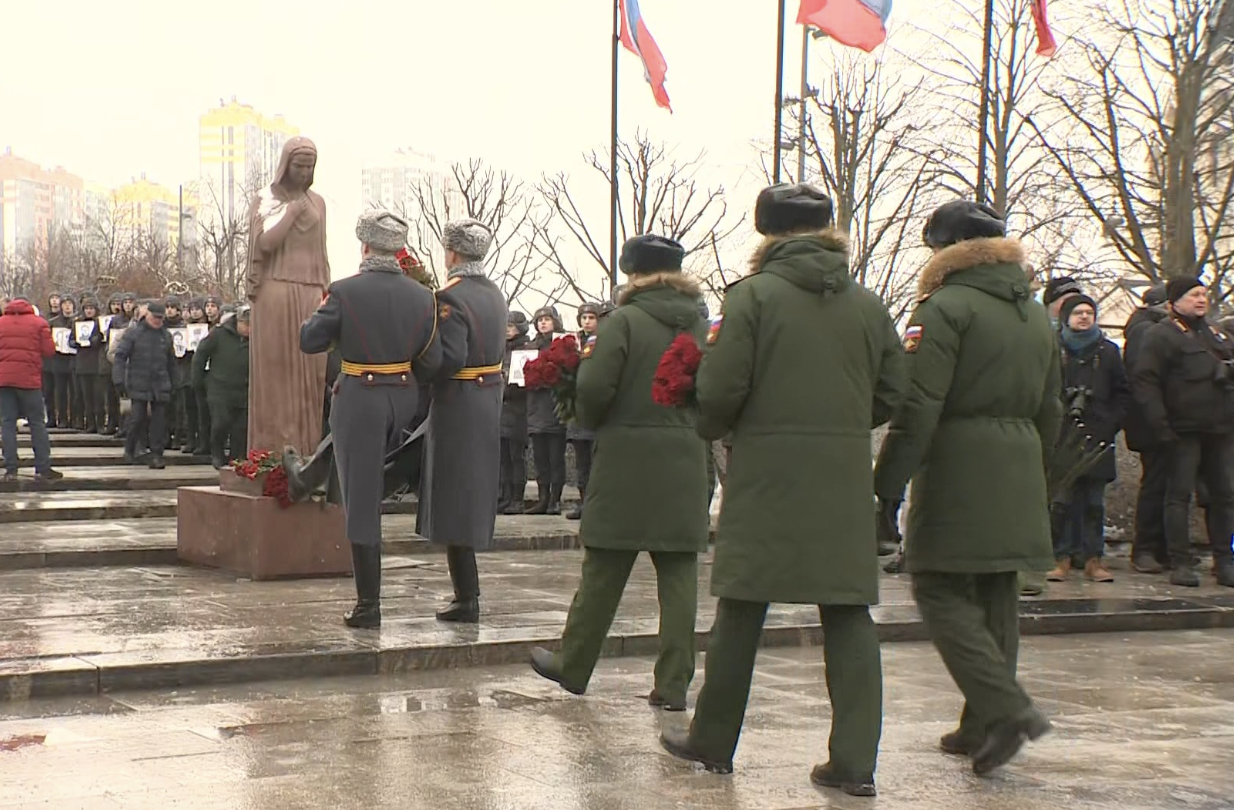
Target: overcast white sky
x: 113, y: 89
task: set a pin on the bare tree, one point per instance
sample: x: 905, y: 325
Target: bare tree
x: 223, y: 235
x: 866, y: 149
x: 1022, y: 184
x: 494, y: 197
x: 659, y: 193
x: 1141, y: 134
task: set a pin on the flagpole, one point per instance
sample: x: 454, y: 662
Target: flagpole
x: 612, y: 168
x: 775, y: 172
x: 984, y: 110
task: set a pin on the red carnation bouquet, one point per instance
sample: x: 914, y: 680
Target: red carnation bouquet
x: 264, y: 463
x: 556, y: 368
x: 673, y: 385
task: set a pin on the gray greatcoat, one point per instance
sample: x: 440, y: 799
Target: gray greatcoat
x: 377, y: 317
x: 459, y: 486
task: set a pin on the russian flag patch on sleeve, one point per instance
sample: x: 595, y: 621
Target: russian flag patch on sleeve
x: 912, y: 337
x: 713, y: 329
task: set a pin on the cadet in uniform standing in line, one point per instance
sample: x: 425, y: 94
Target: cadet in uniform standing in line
x: 384, y: 326
x: 580, y: 438
x: 462, y: 450
x: 803, y: 363
x: 648, y: 488
x: 975, y: 435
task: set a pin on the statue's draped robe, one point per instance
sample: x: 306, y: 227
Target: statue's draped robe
x: 287, y: 283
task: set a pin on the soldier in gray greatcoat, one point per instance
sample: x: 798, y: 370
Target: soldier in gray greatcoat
x: 462, y: 454
x: 384, y: 327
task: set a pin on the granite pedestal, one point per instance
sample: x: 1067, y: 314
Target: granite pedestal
x: 250, y: 535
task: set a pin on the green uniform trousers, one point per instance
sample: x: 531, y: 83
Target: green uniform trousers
x: 854, y: 683
x: 605, y: 572
x: 974, y: 622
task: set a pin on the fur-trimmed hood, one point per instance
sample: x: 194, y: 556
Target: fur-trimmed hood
x: 670, y: 297
x: 815, y: 262
x: 967, y: 255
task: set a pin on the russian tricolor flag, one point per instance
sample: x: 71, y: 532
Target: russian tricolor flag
x: 857, y: 23
x: 639, y: 41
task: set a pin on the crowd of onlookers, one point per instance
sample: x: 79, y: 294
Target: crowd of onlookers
x: 1171, y: 391
x: 157, y: 373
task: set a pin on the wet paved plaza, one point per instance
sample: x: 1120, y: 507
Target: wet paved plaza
x: 1143, y: 720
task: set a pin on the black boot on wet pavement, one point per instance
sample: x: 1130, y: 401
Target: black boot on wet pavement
x: 958, y: 744
x: 656, y: 701
x: 1184, y: 576
x: 366, y: 568
x: 677, y: 742
x: 826, y: 776
x: 465, y: 609
x: 1004, y: 740
x: 545, y: 665
x: 1224, y: 571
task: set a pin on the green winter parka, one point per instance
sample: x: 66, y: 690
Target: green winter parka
x: 801, y: 365
x: 980, y: 419
x: 648, y: 485
x: 226, y: 352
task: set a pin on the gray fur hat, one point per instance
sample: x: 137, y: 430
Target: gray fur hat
x: 469, y: 238
x: 382, y: 231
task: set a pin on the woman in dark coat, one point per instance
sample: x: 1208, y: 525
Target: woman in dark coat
x: 512, y: 483
x: 1095, y: 400
x: 548, y: 434
x: 90, y: 354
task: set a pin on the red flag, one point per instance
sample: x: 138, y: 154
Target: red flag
x: 856, y: 23
x: 1046, y: 46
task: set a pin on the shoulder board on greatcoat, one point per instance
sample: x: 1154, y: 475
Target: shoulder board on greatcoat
x: 452, y: 282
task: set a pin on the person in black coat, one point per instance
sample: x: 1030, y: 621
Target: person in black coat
x: 144, y: 372
x: 512, y: 483
x: 1095, y: 395
x: 548, y: 434
x: 1184, y: 382
x: 1148, y: 551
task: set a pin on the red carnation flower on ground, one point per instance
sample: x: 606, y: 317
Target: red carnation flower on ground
x: 673, y: 385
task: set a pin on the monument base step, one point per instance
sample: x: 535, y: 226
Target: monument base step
x: 252, y: 536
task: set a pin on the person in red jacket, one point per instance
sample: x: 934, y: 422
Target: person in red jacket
x: 25, y: 339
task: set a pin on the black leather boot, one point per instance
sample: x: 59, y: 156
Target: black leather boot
x: 518, y: 494
x: 577, y: 512
x: 554, y: 500
x: 465, y: 577
x: 304, y: 477
x: 366, y: 563
x: 543, y: 491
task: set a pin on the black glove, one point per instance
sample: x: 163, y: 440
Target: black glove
x: 888, y: 525
x: 122, y: 392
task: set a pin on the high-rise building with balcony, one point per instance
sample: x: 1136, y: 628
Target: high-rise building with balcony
x: 35, y: 201
x: 239, y: 149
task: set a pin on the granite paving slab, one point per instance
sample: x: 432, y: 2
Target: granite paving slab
x: 160, y: 626
x: 1135, y: 727
x: 126, y: 477
x: 152, y: 541
x: 38, y: 504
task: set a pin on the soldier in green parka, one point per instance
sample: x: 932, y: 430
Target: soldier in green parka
x: 648, y: 486
x: 974, y: 434
x: 802, y: 364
